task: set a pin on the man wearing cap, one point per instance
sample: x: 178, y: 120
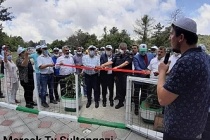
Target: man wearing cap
x: 185, y: 92
x: 121, y: 60
x: 64, y: 71
x: 107, y: 77
x: 26, y: 70
x: 91, y: 75
x: 141, y: 62
x: 154, y: 50
x: 34, y: 56
x: 56, y: 73
x: 45, y: 64
x: 78, y: 61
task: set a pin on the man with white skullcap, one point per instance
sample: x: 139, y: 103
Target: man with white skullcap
x: 185, y: 92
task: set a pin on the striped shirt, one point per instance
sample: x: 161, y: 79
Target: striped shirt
x: 91, y: 62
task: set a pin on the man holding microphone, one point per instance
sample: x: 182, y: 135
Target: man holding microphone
x: 185, y: 92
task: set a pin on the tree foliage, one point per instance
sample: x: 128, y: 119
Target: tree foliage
x: 144, y: 27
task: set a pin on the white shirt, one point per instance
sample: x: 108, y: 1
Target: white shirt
x: 65, y: 70
x: 173, y: 60
x: 44, y: 60
x: 153, y: 66
x: 110, y: 66
x: 11, y: 70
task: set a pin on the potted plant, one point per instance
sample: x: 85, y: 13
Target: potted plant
x: 150, y: 107
x: 69, y: 98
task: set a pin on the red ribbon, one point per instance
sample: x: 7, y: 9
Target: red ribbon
x: 144, y: 72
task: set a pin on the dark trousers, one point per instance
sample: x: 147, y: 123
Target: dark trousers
x: 137, y: 87
x: 168, y: 137
x: 56, y: 82
x: 121, y: 87
x: 206, y: 133
x: 107, y: 81
x: 91, y: 83
x: 28, y: 90
x: 46, y: 80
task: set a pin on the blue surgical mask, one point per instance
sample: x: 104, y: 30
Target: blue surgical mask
x: 143, y: 53
x: 45, y: 52
x: 9, y: 57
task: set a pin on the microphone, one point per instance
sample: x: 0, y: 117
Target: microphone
x: 168, y: 52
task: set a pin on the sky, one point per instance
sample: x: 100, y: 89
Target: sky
x: 58, y: 19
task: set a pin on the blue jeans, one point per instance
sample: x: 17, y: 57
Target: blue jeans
x: 46, y: 80
x: 38, y: 83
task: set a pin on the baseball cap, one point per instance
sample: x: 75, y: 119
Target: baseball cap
x: 4, y: 46
x: 38, y: 47
x: 108, y: 46
x: 143, y: 47
x: 55, y: 49
x: 91, y: 47
x: 20, y: 50
x: 154, y: 47
x: 102, y: 48
x: 44, y: 46
x: 186, y: 24
x: 202, y: 46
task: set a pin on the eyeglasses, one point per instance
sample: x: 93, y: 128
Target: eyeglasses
x: 66, y: 50
x: 44, y: 48
x: 91, y: 49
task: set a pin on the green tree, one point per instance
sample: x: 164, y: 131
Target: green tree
x: 143, y: 28
x: 57, y: 43
x: 4, y: 16
x: 157, y: 38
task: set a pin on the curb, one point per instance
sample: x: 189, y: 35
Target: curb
x: 64, y: 116
x: 101, y: 122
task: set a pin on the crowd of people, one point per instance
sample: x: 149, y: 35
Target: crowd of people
x: 175, y: 92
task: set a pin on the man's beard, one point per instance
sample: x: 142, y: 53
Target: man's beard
x: 177, y: 48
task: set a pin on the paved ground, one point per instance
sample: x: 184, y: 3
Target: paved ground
x: 24, y: 125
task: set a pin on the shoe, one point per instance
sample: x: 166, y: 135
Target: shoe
x: 45, y: 105
x: 2, y: 96
x: 111, y: 103
x: 58, y: 100
x: 53, y: 101
x: 136, y: 111
x: 88, y: 104
x: 16, y: 101
x: 34, y: 104
x: 104, y: 104
x: 96, y: 104
x: 29, y: 106
x: 116, y: 98
x: 119, y: 105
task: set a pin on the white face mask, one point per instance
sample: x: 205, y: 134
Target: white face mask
x: 121, y: 51
x: 56, y: 55
x: 92, y: 53
x: 79, y: 53
x: 108, y: 53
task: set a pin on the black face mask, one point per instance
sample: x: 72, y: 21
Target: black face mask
x: 39, y: 51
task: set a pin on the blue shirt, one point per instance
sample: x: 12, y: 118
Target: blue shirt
x: 90, y: 62
x: 34, y: 56
x: 186, y: 116
x: 56, y: 71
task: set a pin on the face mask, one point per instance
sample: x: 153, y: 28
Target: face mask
x: 108, y: 53
x: 102, y: 52
x: 142, y: 53
x: 56, y: 55
x: 154, y: 54
x: 92, y: 53
x: 45, y: 52
x: 121, y: 51
x: 79, y: 53
x: 9, y: 57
